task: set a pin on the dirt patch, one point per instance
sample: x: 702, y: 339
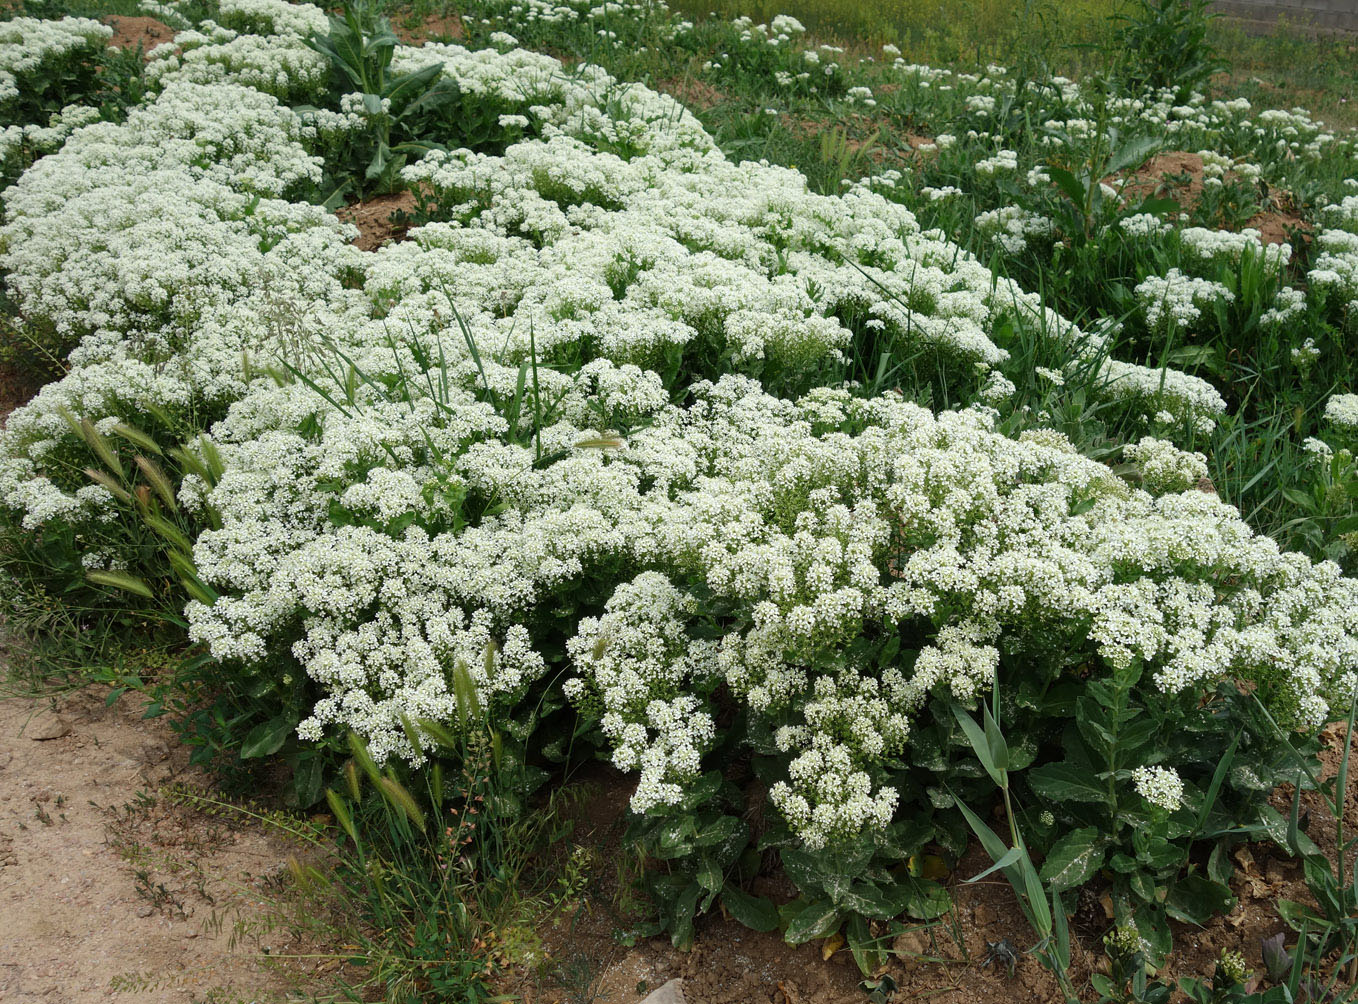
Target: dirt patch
x: 129, y: 32
x: 1277, y: 227
x: 107, y: 889
x: 1177, y: 174
x: 374, y: 219
x: 433, y: 28
x: 16, y: 387
x: 692, y: 93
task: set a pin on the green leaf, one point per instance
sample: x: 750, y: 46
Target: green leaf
x: 818, y: 919
x: 1010, y: 857
x: 1074, y: 859
x: 722, y: 831
x: 999, y: 749
x: 709, y: 875
x: 121, y: 580
x: 755, y: 912
x: 266, y: 739
x: 1297, y: 914
x: 1218, y: 776
x: 1142, y: 886
x: 1196, y: 899
x: 306, y: 780
x: 1274, y: 825
x: 1061, y: 931
x: 866, y: 949
x: 1068, y: 183
x: 681, y: 916
x: 1064, y: 782
x: 924, y: 900
x: 980, y: 745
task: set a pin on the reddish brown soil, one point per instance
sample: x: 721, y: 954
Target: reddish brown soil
x: 1153, y: 178
x: 692, y: 93
x: 1277, y: 225
x: 373, y: 217
x: 434, y: 28
x: 129, y: 32
x: 1178, y: 174
x: 16, y: 387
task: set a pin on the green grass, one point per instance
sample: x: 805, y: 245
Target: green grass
x: 1280, y: 68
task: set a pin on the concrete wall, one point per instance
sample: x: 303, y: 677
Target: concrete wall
x: 1332, y: 15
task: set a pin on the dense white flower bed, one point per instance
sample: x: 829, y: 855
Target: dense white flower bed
x: 29, y: 48
x: 380, y: 523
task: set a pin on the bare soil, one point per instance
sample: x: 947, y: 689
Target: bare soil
x: 16, y: 387
x: 374, y: 219
x: 434, y: 28
x: 1179, y: 174
x: 129, y: 32
x: 691, y: 92
x: 109, y: 889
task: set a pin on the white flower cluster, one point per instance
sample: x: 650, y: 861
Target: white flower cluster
x: 1335, y: 269
x: 31, y: 49
x: 1181, y: 396
x: 1003, y: 162
x: 1178, y: 300
x: 810, y: 539
x: 1222, y: 246
x: 1011, y: 228
x: 398, y: 529
x: 1288, y: 305
x: 1164, y: 467
x: 638, y: 660
x: 281, y: 65
x: 1341, y: 411
x: 1161, y: 786
x: 21, y: 144
x: 677, y: 248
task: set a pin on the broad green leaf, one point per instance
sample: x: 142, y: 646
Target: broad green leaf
x: 926, y: 900
x: 1064, y: 782
x: 1068, y: 183
x: 1196, y: 899
x: 709, y: 874
x: 866, y: 950
x: 1074, y: 859
x: 755, y: 912
x: 818, y: 919
x: 266, y: 738
x: 1297, y: 914
x: 681, y: 916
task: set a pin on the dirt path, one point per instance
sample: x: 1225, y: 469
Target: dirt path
x: 108, y: 888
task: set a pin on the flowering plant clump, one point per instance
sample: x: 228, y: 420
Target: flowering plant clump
x: 1161, y: 786
x: 629, y: 442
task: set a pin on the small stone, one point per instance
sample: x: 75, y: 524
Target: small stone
x: 47, y: 726
x: 910, y: 945
x: 145, y: 910
x: 671, y: 993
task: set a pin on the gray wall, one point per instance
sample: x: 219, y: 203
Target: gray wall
x: 1339, y: 15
